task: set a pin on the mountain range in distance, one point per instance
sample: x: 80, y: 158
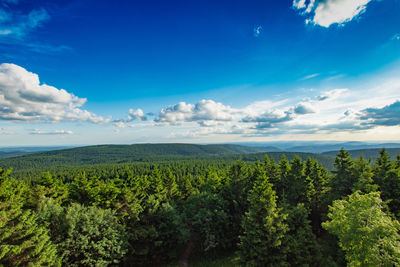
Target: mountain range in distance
x: 43, y: 157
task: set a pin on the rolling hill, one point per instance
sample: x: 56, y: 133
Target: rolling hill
x: 368, y: 153
x: 114, y: 154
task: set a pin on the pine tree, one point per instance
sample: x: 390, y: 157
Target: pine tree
x: 343, y: 180
x: 264, y: 228
x: 22, y: 241
x: 363, y: 173
x: 299, y: 240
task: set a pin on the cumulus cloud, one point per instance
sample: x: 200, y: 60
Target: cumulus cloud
x: 304, y: 108
x: 56, y: 132
x: 386, y: 116
x: 269, y: 119
x: 23, y: 98
x: 137, y: 114
x: 201, y: 112
x: 327, y: 12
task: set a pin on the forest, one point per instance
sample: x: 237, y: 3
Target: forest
x: 291, y: 211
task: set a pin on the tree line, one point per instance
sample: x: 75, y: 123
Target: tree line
x: 270, y: 213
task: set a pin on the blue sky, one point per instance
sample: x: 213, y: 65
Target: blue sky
x: 89, y: 72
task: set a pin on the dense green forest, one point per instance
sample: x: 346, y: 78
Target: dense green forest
x: 218, y: 211
x: 120, y: 154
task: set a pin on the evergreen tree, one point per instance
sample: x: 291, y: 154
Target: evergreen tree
x: 363, y: 173
x: 264, y: 229
x: 93, y: 237
x: 343, y: 180
x: 22, y: 241
x: 296, y: 183
x: 300, y: 240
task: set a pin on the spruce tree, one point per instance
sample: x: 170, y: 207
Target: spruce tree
x: 264, y: 228
x: 22, y: 241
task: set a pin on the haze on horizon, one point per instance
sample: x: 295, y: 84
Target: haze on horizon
x: 91, y: 72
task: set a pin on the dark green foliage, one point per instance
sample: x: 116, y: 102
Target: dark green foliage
x: 300, y: 241
x: 171, y: 210
x: 264, y: 228
x: 343, y: 180
x: 206, y: 221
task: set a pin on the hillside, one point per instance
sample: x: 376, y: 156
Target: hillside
x: 6, y: 152
x: 368, y: 153
x: 106, y: 154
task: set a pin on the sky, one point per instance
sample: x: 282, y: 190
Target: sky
x: 198, y: 71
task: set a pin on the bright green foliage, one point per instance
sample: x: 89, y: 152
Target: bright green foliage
x: 49, y: 186
x: 22, y: 241
x: 93, y: 237
x: 363, y: 172
x: 368, y: 236
x: 170, y: 185
x: 52, y: 215
x: 264, y: 229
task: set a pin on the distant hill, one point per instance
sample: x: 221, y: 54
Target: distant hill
x: 6, y: 152
x: 367, y: 153
x: 106, y: 154
x: 331, y: 148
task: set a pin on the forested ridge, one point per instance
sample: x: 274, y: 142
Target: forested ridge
x: 203, y: 212
x: 120, y: 154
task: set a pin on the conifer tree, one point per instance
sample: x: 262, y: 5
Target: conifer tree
x: 22, y: 241
x: 363, y: 173
x: 300, y: 240
x: 264, y: 228
x: 343, y: 180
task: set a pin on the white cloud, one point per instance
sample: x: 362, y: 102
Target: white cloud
x: 299, y: 4
x: 137, y: 114
x: 396, y: 37
x: 327, y: 12
x: 310, y: 76
x: 18, y: 25
x: 257, y: 30
x: 304, y: 108
x: 332, y: 94
x: 205, y: 110
x: 56, y: 132
x: 4, y: 131
x: 337, y: 113
x: 23, y: 98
